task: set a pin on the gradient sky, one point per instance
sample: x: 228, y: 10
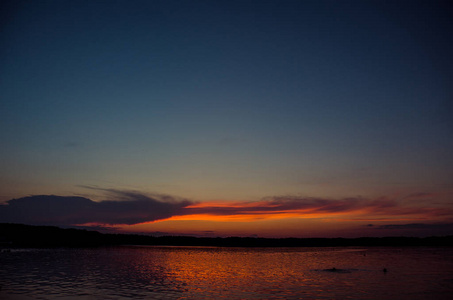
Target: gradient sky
x: 206, y: 113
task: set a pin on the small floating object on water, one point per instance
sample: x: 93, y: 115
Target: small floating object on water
x: 331, y: 270
x: 335, y: 270
x: 384, y: 270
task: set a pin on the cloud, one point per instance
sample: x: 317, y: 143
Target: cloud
x: 277, y: 205
x: 421, y: 226
x: 421, y: 195
x: 311, y: 206
x: 124, y: 207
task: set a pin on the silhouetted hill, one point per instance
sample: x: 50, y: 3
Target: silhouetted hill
x: 19, y: 235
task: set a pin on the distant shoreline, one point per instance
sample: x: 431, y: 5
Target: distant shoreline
x: 21, y: 235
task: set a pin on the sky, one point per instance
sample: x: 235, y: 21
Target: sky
x: 228, y: 118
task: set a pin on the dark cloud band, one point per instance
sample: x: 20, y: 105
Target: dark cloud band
x: 130, y: 208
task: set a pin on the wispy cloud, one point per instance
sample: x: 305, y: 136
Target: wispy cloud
x: 288, y: 205
x: 421, y: 226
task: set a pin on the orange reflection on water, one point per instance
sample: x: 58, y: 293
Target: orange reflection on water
x: 234, y: 271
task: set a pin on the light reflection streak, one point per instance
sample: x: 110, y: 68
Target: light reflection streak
x: 235, y: 272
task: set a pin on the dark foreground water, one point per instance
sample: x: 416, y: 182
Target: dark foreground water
x: 227, y: 273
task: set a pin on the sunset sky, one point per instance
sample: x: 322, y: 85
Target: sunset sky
x: 228, y: 118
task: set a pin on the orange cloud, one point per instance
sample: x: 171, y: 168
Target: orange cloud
x: 297, y: 207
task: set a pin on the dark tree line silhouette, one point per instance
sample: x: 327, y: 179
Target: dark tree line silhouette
x: 20, y: 235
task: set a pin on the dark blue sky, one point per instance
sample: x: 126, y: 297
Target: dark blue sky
x: 233, y: 100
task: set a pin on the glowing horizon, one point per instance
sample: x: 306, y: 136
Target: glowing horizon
x: 294, y: 115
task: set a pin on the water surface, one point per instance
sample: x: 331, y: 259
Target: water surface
x: 227, y: 273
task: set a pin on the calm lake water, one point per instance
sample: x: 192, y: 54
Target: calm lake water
x: 227, y: 273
